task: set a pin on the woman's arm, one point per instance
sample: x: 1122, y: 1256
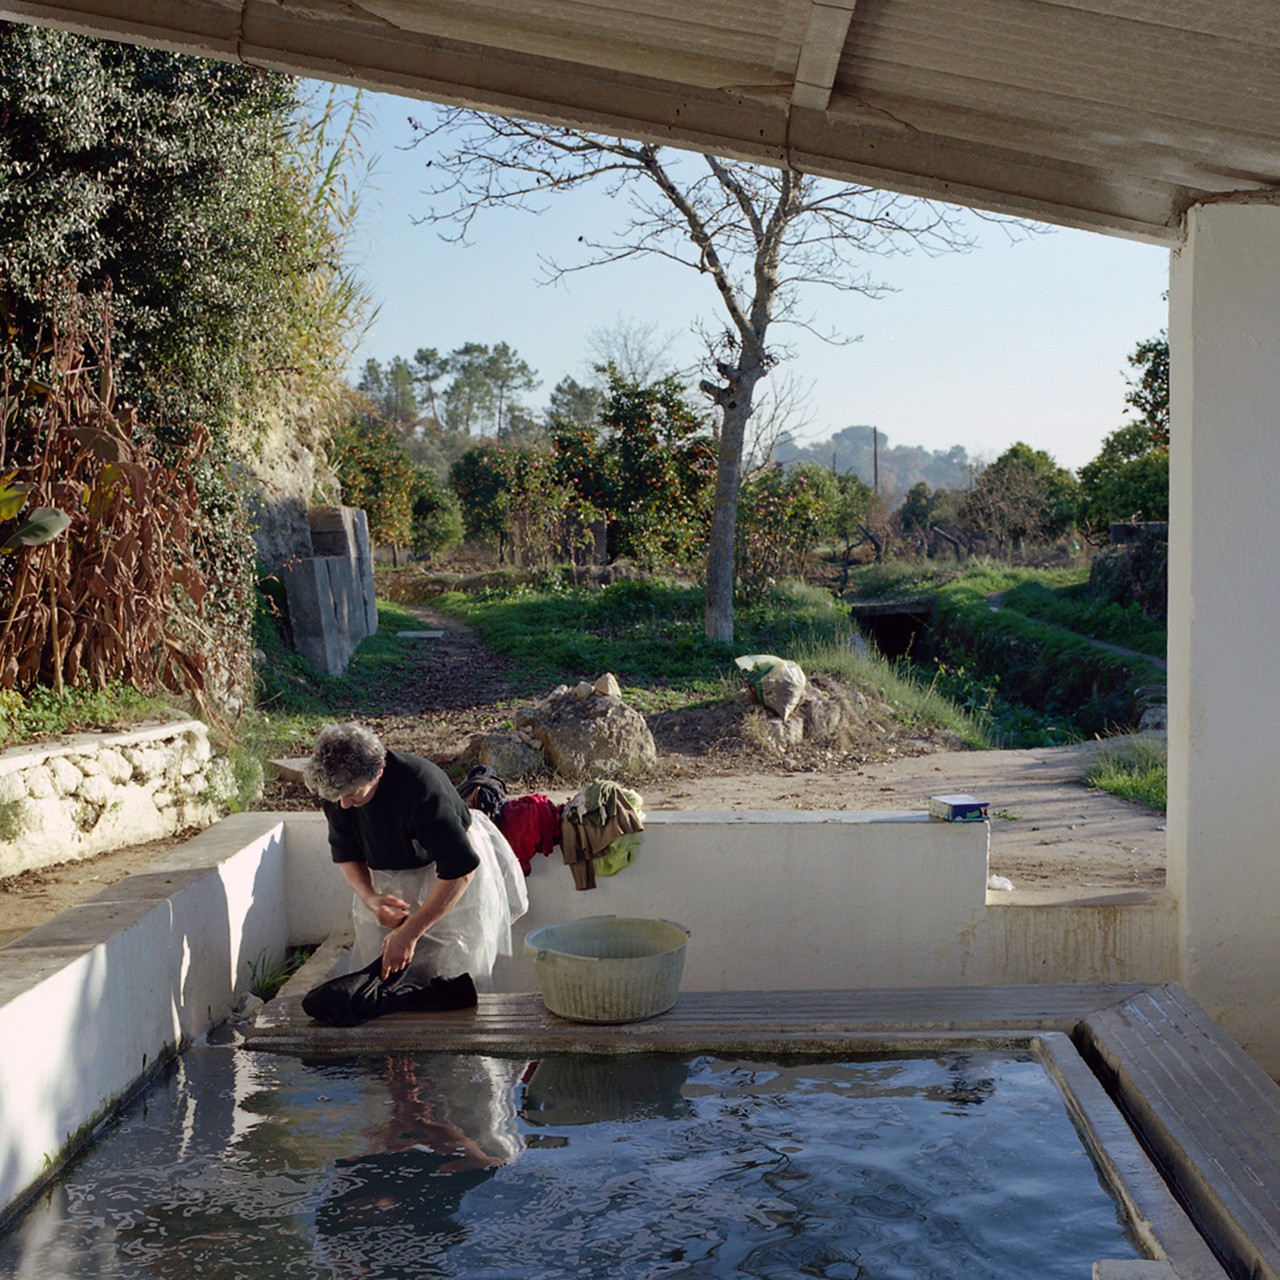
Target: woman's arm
x: 386, y: 908
x: 399, y: 945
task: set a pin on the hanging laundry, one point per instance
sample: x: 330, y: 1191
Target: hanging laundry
x: 531, y: 825
x: 592, y: 821
x: 482, y: 789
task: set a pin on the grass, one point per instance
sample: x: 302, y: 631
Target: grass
x: 41, y: 713
x: 267, y: 974
x: 1071, y: 607
x: 651, y: 637
x: 1133, y: 768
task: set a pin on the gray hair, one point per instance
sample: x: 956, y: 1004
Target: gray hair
x: 345, y: 757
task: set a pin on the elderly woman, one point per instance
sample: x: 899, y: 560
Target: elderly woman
x: 435, y: 883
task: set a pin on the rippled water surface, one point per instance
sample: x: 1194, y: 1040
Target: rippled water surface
x: 240, y: 1164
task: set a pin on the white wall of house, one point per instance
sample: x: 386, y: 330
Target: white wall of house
x: 1224, y: 613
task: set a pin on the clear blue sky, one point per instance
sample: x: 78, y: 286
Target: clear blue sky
x: 1024, y: 341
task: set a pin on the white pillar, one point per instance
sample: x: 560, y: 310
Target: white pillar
x: 1224, y: 616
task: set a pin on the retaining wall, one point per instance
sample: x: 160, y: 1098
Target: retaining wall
x: 79, y: 796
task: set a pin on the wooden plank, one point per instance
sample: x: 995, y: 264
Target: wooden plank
x: 1209, y: 1115
x: 748, y: 1022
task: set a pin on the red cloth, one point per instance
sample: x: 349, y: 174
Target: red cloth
x: 531, y: 825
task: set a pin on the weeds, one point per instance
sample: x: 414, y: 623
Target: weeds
x: 1135, y: 768
x: 267, y: 974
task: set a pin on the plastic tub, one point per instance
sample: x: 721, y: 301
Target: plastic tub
x: 608, y: 968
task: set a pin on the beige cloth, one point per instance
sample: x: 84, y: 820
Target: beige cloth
x: 591, y: 822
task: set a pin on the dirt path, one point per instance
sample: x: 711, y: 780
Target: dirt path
x: 1048, y: 831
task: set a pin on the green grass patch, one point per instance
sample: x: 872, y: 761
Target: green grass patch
x: 41, y: 713
x: 650, y: 635
x: 1073, y: 688
x: 1133, y: 768
x: 915, y: 702
x: 1071, y: 606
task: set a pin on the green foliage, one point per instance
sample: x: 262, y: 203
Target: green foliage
x: 378, y: 477
x: 1128, y: 480
x: 41, y: 713
x: 915, y: 701
x: 520, y: 499
x: 1149, y: 395
x: 1023, y: 496
x: 174, y: 184
x: 1074, y: 608
x: 782, y: 516
x: 649, y: 468
x: 195, y: 212
x: 1081, y: 690
x: 437, y: 521
x: 894, y: 579
x: 644, y: 632
x: 268, y: 973
x: 1133, y: 768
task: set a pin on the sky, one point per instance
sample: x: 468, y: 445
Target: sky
x: 1012, y: 341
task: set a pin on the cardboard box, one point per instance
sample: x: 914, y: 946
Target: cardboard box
x: 959, y: 808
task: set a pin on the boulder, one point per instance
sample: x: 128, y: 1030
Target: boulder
x: 507, y: 754
x: 589, y: 734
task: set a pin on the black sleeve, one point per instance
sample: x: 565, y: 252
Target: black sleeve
x: 439, y: 824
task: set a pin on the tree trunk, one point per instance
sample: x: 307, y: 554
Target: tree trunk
x: 736, y: 401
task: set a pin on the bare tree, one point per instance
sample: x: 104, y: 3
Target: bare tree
x: 636, y: 349
x: 779, y: 412
x: 761, y: 236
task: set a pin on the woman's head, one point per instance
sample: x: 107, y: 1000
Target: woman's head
x: 346, y: 758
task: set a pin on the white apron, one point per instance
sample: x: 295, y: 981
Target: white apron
x: 476, y: 931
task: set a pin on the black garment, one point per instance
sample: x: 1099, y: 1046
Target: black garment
x: 356, y: 997
x: 482, y: 789
x: 415, y: 817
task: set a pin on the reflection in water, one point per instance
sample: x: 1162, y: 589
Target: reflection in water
x: 574, y: 1089
x: 245, y: 1165
x: 451, y: 1124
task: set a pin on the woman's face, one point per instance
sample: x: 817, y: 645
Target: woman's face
x: 361, y: 795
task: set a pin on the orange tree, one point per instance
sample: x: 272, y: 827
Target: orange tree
x: 650, y: 468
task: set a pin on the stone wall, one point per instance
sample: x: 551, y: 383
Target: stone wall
x: 330, y: 596
x: 79, y: 796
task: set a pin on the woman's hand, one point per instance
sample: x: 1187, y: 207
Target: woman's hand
x: 387, y: 909
x: 397, y: 950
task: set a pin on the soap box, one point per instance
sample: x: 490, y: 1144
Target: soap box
x: 957, y: 808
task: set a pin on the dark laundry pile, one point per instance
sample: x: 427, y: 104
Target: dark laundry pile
x: 355, y: 998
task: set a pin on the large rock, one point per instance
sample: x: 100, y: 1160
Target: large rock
x: 589, y: 734
x: 506, y: 754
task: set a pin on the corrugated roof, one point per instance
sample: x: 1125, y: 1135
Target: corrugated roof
x: 1110, y: 114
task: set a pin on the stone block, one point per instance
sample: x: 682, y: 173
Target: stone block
x: 66, y: 777
x: 97, y: 789
x: 39, y: 783
x: 13, y: 788
x: 114, y: 765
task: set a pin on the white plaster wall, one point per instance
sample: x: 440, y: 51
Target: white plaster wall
x: 92, y: 1000
x: 1224, y: 614
x: 782, y: 901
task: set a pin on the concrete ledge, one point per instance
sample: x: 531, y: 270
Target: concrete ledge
x: 91, y: 1001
